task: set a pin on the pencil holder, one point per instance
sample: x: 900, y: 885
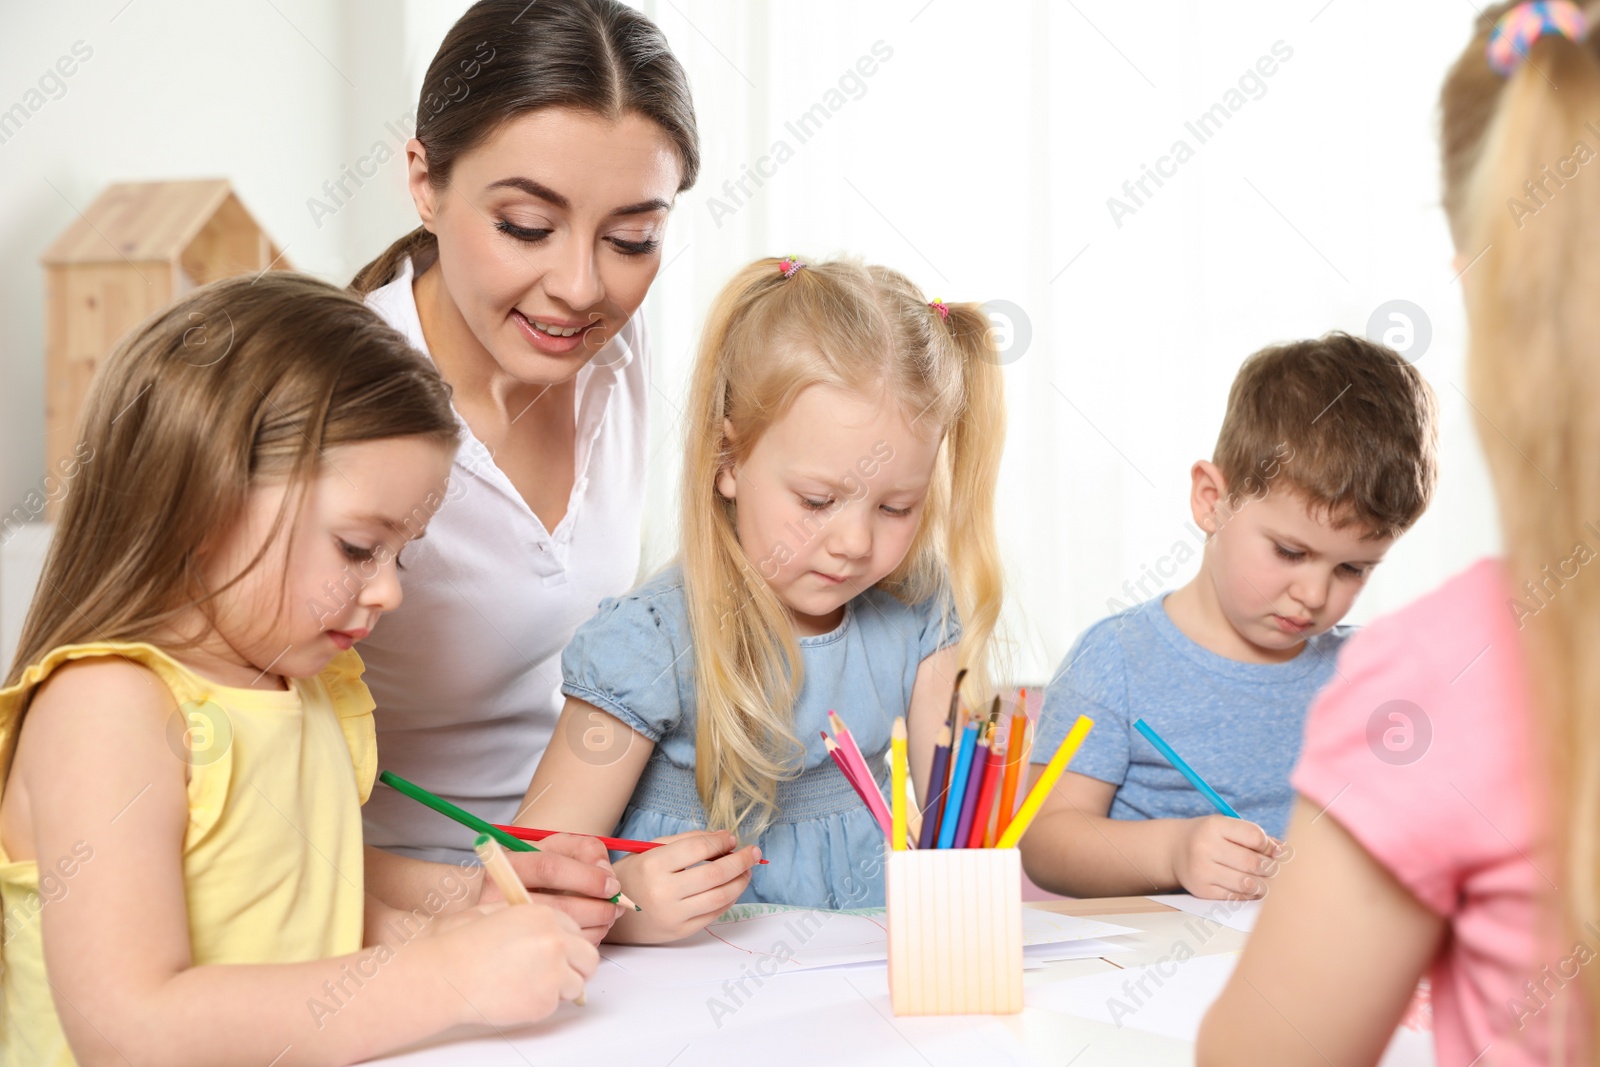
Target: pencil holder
x: 955, y: 931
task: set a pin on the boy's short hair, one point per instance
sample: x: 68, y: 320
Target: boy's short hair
x: 1346, y: 423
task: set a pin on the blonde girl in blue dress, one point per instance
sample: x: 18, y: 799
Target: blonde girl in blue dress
x: 843, y: 437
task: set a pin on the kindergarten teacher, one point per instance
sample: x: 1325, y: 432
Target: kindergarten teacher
x: 551, y: 142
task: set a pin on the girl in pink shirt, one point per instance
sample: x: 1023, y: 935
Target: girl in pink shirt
x: 1450, y: 780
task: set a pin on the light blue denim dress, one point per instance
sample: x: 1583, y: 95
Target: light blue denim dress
x: 824, y: 850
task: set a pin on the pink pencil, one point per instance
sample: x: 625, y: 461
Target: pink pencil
x: 837, y: 752
x: 866, y: 784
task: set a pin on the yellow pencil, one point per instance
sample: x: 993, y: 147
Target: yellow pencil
x: 897, y: 771
x: 496, y: 866
x: 1047, y: 781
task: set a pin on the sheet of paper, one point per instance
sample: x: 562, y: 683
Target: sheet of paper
x: 1234, y: 914
x: 764, y: 941
x: 1168, y: 998
x: 833, y: 1017
x: 1087, y: 949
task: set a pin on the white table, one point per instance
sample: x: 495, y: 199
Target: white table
x: 842, y: 1016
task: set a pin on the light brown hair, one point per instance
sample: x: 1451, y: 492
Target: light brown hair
x: 1533, y: 371
x: 594, y: 55
x: 241, y: 380
x: 768, y: 338
x: 1347, y: 424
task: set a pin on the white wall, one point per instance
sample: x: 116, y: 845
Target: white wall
x: 978, y: 158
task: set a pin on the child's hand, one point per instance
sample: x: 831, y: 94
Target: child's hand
x: 571, y: 873
x: 1220, y: 858
x: 683, y: 885
x: 512, y: 965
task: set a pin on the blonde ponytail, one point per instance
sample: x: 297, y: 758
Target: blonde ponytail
x: 1523, y: 192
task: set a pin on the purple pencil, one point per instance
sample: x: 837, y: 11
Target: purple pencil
x: 937, y: 785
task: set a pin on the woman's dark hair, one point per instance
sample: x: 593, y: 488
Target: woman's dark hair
x: 505, y: 57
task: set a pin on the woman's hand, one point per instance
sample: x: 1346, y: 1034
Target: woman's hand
x: 572, y: 874
x: 682, y: 886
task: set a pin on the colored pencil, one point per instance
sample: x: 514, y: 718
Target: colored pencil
x: 866, y: 781
x: 497, y: 867
x: 1187, y: 771
x: 839, y: 761
x: 958, y: 786
x: 865, y: 792
x: 1047, y: 781
x: 969, y: 797
x: 937, y: 785
x: 613, y: 844
x: 897, y: 782
x: 470, y: 821
x: 992, y: 774
x: 1008, y: 790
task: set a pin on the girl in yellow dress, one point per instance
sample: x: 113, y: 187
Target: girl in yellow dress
x: 185, y: 738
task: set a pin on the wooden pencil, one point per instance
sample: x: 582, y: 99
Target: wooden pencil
x: 969, y: 797
x: 897, y: 782
x: 962, y: 761
x: 994, y: 770
x: 937, y: 786
x: 866, y: 791
x: 1047, y: 781
x: 613, y: 844
x: 1014, y: 753
x: 497, y: 867
x: 866, y: 781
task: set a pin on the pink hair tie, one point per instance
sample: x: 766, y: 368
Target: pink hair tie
x: 941, y: 307
x: 789, y: 266
x: 1524, y: 24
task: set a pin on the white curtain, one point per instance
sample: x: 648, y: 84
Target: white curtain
x: 980, y: 156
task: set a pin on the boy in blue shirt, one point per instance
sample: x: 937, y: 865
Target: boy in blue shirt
x: 1326, y: 456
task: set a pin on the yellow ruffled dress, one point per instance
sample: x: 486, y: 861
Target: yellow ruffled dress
x: 272, y: 857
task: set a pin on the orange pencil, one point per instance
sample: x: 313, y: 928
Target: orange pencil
x: 1008, y: 791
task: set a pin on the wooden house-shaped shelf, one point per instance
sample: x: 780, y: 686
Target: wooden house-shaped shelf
x: 137, y: 248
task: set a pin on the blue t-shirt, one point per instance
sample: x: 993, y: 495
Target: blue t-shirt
x: 1237, y: 724
x: 824, y: 849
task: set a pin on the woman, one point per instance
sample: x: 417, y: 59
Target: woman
x: 551, y: 142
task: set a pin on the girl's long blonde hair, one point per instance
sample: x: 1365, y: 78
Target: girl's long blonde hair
x: 1524, y: 212
x: 239, y: 380
x: 769, y: 337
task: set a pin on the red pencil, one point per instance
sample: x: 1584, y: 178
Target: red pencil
x: 615, y: 844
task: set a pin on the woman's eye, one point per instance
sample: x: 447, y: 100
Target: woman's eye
x: 898, y: 513
x: 353, y: 552
x: 635, y: 248
x: 1288, y: 554
x: 814, y: 505
x: 520, y: 233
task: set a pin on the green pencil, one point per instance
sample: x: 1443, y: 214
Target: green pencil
x: 465, y: 818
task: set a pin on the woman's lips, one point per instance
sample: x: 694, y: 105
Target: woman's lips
x: 544, y: 342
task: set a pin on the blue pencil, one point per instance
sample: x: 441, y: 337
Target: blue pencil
x: 1186, y: 770
x: 958, y: 786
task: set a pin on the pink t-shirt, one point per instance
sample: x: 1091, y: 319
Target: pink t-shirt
x: 1421, y: 748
